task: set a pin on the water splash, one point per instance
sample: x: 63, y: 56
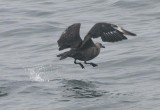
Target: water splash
x: 35, y: 74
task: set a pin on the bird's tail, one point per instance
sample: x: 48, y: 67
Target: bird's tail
x: 64, y: 55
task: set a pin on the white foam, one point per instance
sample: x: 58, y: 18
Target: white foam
x: 36, y: 75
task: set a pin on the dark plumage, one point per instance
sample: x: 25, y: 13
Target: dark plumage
x: 85, y: 50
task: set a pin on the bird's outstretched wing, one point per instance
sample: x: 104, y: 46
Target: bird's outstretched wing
x: 108, y: 33
x: 70, y: 38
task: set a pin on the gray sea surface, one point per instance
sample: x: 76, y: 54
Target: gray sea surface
x: 33, y: 78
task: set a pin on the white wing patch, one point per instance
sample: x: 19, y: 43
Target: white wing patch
x: 120, y: 29
x: 110, y: 33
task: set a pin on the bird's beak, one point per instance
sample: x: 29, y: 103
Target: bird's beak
x: 103, y: 46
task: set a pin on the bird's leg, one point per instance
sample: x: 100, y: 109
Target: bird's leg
x: 93, y: 64
x: 79, y: 64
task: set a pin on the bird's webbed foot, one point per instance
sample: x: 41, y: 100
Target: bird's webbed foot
x: 81, y: 65
x: 93, y: 64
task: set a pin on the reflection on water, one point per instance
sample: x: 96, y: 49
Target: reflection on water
x: 80, y: 89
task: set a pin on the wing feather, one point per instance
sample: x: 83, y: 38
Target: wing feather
x: 70, y: 38
x: 109, y: 32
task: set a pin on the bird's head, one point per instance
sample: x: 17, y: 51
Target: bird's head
x: 100, y: 45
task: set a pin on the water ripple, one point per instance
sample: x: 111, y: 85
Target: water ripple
x: 80, y: 89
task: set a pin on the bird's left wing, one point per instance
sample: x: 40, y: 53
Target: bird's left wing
x: 109, y: 32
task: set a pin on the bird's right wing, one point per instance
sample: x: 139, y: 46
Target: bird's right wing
x: 70, y: 38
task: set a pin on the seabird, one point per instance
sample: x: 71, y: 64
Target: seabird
x: 86, y: 49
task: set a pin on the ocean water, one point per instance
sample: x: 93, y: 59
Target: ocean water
x: 33, y: 78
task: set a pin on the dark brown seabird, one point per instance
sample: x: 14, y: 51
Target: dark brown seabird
x: 85, y: 50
